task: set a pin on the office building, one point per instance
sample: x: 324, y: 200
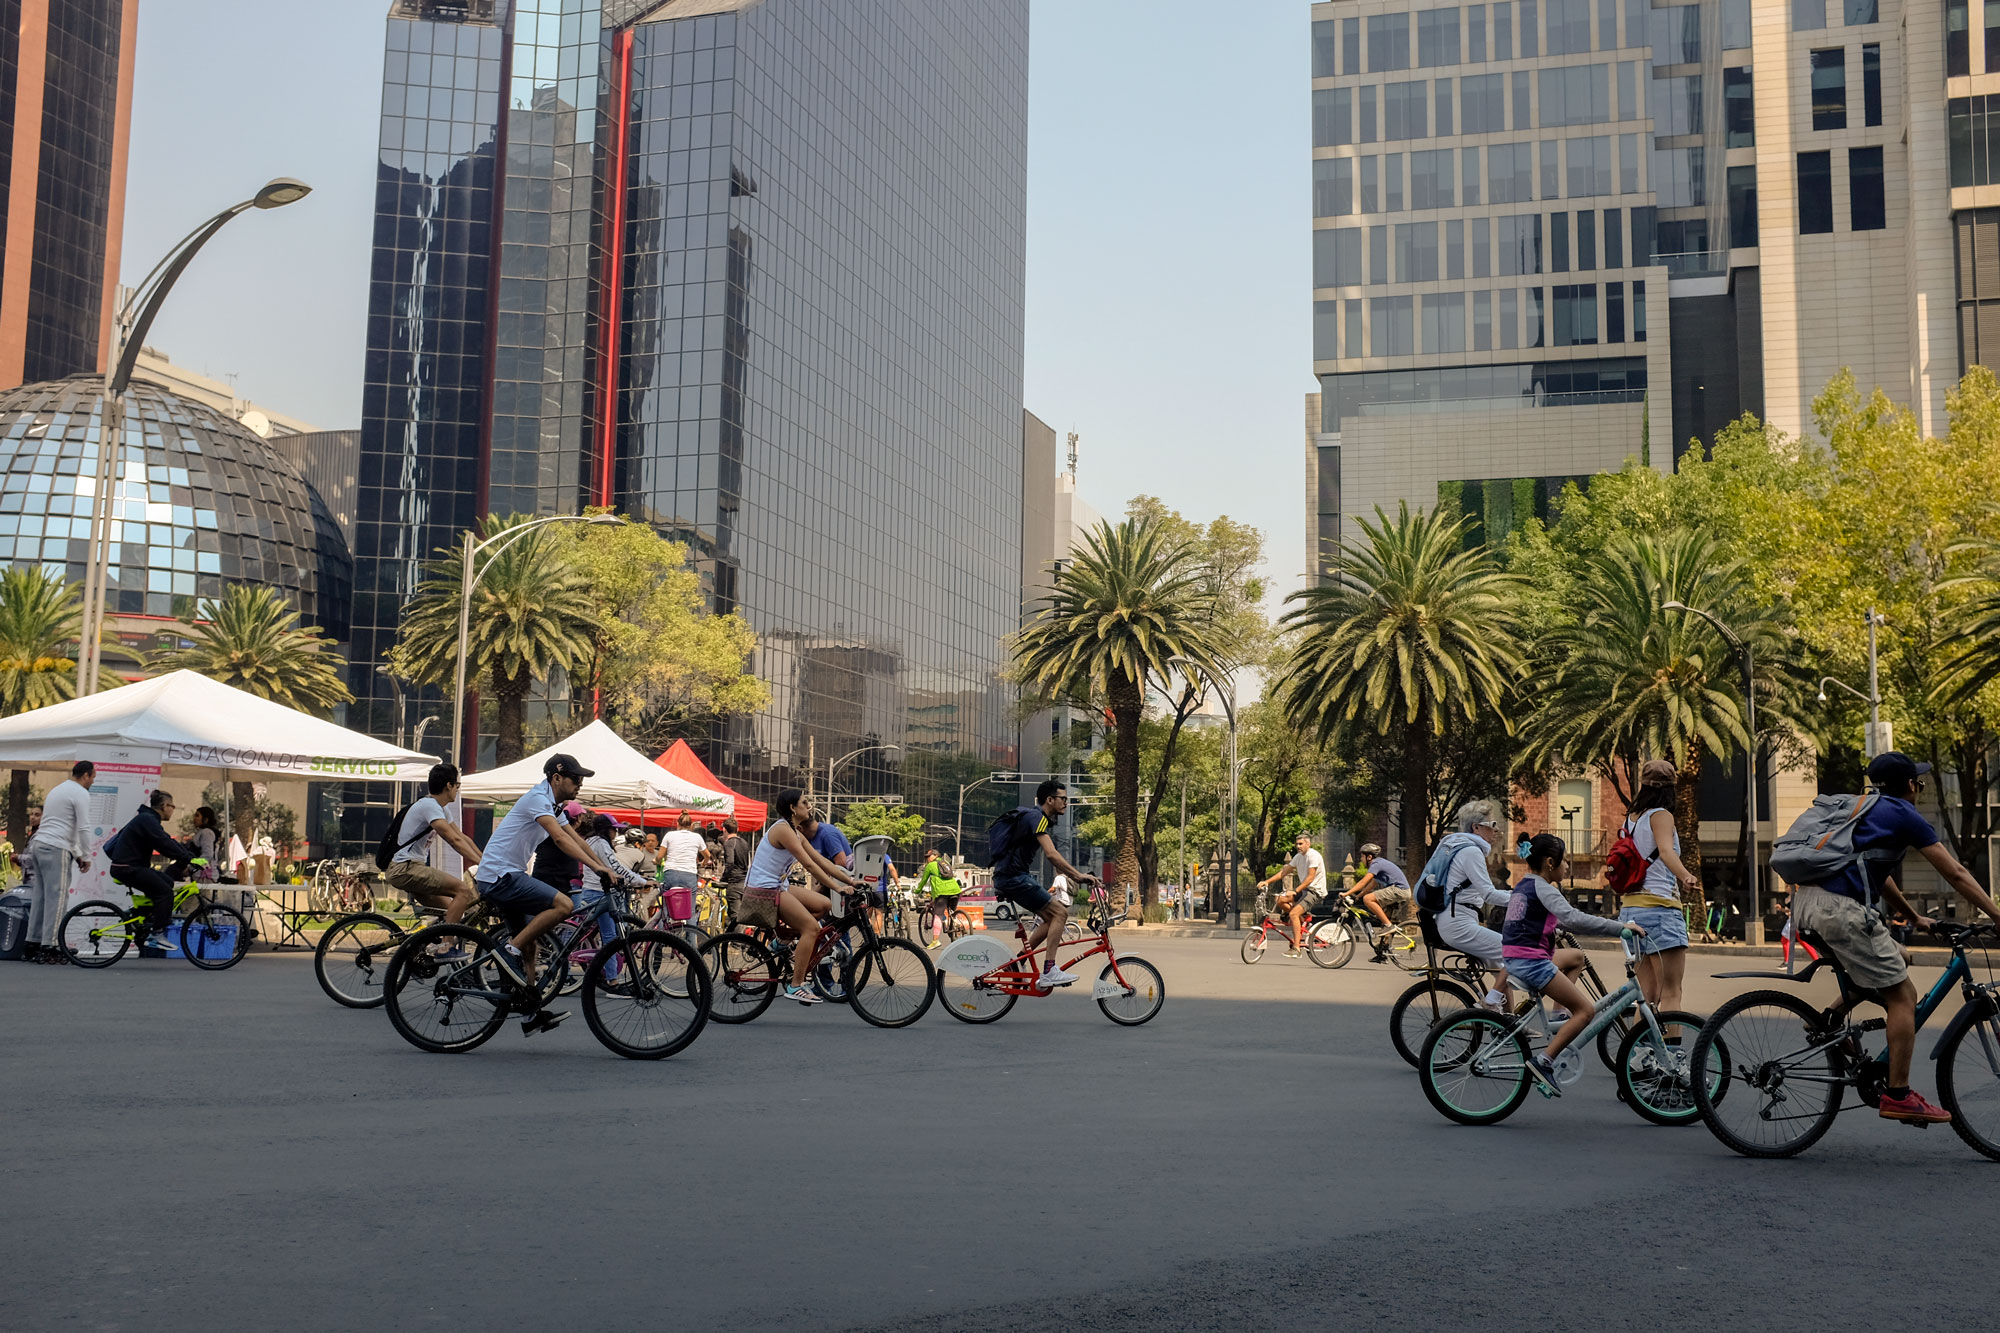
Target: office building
x: 751, y: 270
x: 1550, y: 235
x: 65, y: 118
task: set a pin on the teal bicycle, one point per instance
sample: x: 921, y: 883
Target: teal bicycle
x: 1787, y: 1065
x: 1474, y: 1063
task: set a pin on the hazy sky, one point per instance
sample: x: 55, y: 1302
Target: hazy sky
x: 1168, y: 232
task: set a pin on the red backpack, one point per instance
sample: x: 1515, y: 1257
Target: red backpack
x: 1624, y: 868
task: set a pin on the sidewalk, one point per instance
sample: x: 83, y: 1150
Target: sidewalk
x: 1750, y: 958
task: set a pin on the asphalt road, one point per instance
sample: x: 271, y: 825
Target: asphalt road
x: 187, y: 1150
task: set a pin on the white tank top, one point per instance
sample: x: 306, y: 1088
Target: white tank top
x: 770, y: 863
x: 1660, y: 881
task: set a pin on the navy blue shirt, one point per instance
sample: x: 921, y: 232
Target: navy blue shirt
x: 1887, y: 829
x: 1388, y: 875
x: 1016, y: 861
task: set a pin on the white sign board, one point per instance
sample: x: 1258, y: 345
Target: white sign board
x: 126, y: 776
x: 975, y: 955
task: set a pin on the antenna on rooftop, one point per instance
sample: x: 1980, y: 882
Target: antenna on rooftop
x: 1072, y: 454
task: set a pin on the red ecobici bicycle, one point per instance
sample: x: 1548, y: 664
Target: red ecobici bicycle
x: 978, y: 982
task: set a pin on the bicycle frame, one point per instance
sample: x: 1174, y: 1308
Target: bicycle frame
x: 1018, y: 975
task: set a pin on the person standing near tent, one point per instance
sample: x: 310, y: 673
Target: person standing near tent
x: 504, y: 880
x: 735, y: 865
x: 680, y: 855
x: 63, y: 838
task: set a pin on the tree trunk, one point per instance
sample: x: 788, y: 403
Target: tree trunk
x: 510, y: 697
x: 1416, y: 797
x: 1687, y: 823
x: 17, y: 809
x: 243, y: 813
x: 1127, y: 704
x: 1149, y: 851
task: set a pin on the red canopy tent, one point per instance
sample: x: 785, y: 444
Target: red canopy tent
x: 683, y: 762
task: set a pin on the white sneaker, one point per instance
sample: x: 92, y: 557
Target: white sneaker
x: 1053, y: 978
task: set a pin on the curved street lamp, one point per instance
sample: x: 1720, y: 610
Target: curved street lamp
x: 832, y: 764
x: 1753, y: 921
x: 128, y: 337
x: 467, y: 579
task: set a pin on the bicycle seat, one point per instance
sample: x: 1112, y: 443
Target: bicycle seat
x: 1427, y: 923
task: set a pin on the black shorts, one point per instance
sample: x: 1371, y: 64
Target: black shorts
x: 945, y: 902
x: 1309, y: 899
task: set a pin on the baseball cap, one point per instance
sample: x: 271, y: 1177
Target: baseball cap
x: 1658, y: 772
x: 574, y: 809
x: 566, y: 765
x: 1893, y: 768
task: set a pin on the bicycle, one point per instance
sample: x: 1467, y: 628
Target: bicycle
x: 957, y: 922
x: 899, y: 914
x: 646, y: 995
x: 711, y: 909
x: 98, y: 933
x: 980, y: 984
x: 1452, y: 981
x: 1474, y: 1064
x: 1788, y: 1066
x: 352, y: 956
x: 1259, y: 939
x: 887, y: 981
x: 1335, y: 946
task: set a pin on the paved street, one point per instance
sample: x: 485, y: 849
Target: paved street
x: 233, y: 1151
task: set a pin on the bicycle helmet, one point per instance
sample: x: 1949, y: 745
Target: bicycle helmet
x: 1371, y: 849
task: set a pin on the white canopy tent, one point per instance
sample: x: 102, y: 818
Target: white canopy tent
x: 196, y: 723
x: 622, y: 776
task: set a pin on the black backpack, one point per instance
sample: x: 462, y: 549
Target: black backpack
x: 1005, y: 831
x: 385, y: 850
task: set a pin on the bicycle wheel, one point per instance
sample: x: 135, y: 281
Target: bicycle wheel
x: 1474, y: 1067
x: 214, y: 937
x: 446, y: 1005
x: 1254, y: 945
x: 646, y: 995
x: 1656, y: 1081
x: 744, y: 976
x: 970, y: 1002
x: 94, y: 934
x: 1418, y: 1009
x: 959, y: 925
x: 1330, y: 943
x: 353, y: 958
x: 889, y: 983
x: 1141, y: 990
x: 1784, y: 1080
x: 1405, y: 950
x: 688, y: 933
x: 1968, y: 1079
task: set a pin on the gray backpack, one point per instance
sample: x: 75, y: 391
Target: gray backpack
x: 1820, y: 843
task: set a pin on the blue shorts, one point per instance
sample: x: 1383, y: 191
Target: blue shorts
x: 1534, y: 973
x: 1025, y: 892
x: 1665, y: 928
x: 518, y: 895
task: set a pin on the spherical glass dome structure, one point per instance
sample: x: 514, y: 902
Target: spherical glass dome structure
x: 198, y: 502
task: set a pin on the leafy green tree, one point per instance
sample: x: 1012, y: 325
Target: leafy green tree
x: 251, y: 639
x: 659, y: 663
x: 872, y: 819
x: 534, y: 614
x: 1414, y: 636
x: 40, y: 619
x: 1135, y: 597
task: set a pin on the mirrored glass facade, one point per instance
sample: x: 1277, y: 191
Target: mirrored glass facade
x: 823, y: 358
x: 200, y: 502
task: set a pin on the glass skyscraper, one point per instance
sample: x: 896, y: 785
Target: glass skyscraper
x: 755, y: 275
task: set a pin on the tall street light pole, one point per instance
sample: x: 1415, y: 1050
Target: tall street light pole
x: 1753, y: 922
x: 129, y: 328
x: 832, y: 764
x: 958, y: 829
x: 1225, y: 690
x: 467, y: 579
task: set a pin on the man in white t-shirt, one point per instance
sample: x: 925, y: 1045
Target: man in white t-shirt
x: 1308, y: 869
x: 428, y: 820
x: 62, y: 840
x: 680, y: 855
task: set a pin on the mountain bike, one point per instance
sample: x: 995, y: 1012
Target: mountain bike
x: 957, y: 922
x: 1788, y: 1066
x: 98, y: 933
x: 353, y: 953
x: 1331, y: 944
x: 978, y: 980
x: 1474, y: 1063
x: 887, y: 981
x: 646, y: 995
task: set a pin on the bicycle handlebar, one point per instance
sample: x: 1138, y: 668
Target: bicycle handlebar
x: 1957, y: 932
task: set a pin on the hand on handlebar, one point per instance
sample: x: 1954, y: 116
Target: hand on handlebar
x: 1633, y: 928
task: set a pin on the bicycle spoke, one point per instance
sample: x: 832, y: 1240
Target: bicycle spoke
x: 1782, y: 1084
x: 646, y: 996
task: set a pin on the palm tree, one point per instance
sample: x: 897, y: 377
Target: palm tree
x: 1130, y: 601
x: 1977, y: 664
x: 1415, y: 634
x: 251, y: 639
x: 40, y: 618
x: 532, y: 616
x: 1629, y: 680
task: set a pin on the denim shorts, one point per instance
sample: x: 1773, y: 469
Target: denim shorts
x: 518, y: 895
x: 1534, y: 973
x: 1665, y: 928
x: 1025, y: 892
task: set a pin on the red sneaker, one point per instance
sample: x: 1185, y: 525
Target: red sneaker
x: 1913, y: 1110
